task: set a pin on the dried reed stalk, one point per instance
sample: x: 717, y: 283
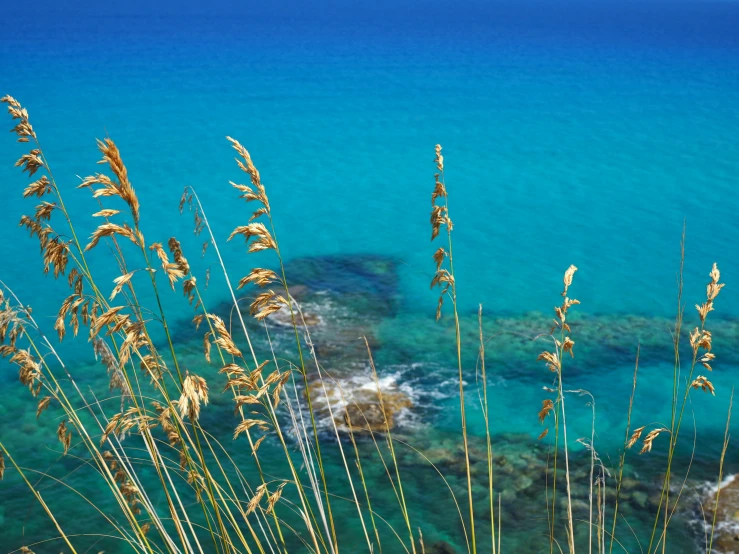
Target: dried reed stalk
x: 444, y: 279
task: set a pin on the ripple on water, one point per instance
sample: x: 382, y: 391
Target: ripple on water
x: 345, y: 300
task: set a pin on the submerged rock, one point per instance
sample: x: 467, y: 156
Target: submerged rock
x: 639, y: 498
x: 522, y: 468
x: 303, y: 318
x: 606, y: 340
x: 355, y: 404
x: 726, y: 538
x: 367, y: 284
x: 440, y: 547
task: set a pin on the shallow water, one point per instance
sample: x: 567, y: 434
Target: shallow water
x: 415, y: 359
x: 583, y: 139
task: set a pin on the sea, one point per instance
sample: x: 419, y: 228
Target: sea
x: 599, y: 134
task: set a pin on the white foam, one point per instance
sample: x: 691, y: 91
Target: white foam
x: 702, y: 526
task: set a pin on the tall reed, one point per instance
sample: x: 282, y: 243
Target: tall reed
x: 176, y: 488
x: 444, y: 278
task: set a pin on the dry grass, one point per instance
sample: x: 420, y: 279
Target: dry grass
x: 196, y: 498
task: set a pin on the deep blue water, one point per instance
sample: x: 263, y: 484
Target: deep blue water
x: 581, y: 133
x: 568, y: 139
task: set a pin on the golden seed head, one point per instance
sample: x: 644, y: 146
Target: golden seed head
x: 439, y: 256
x: 224, y: 339
x: 42, y: 405
x: 567, y: 346
x: 247, y: 424
x: 266, y: 304
x: 706, y: 358
x: 546, y: 407
x: 260, y: 277
x: 712, y: 290
x: 10, y: 101
x: 64, y: 436
x: 704, y: 384
x: 263, y: 239
x: 247, y: 166
x: 552, y: 360
x: 194, y: 392
x: 439, y: 159
x: 649, y: 439
x: 273, y: 498
x: 23, y: 129
x: 635, y: 436
x: 123, y: 188
x: 179, y: 257
x: 568, y: 278
x: 38, y: 188
x: 120, y: 282
x: 109, y: 230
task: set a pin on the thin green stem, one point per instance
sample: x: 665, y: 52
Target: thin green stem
x: 458, y: 337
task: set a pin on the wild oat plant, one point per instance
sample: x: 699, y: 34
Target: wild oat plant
x: 177, y: 489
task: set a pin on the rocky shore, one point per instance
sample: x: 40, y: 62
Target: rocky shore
x: 347, y: 303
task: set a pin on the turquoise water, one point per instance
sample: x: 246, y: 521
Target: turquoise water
x: 583, y: 135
